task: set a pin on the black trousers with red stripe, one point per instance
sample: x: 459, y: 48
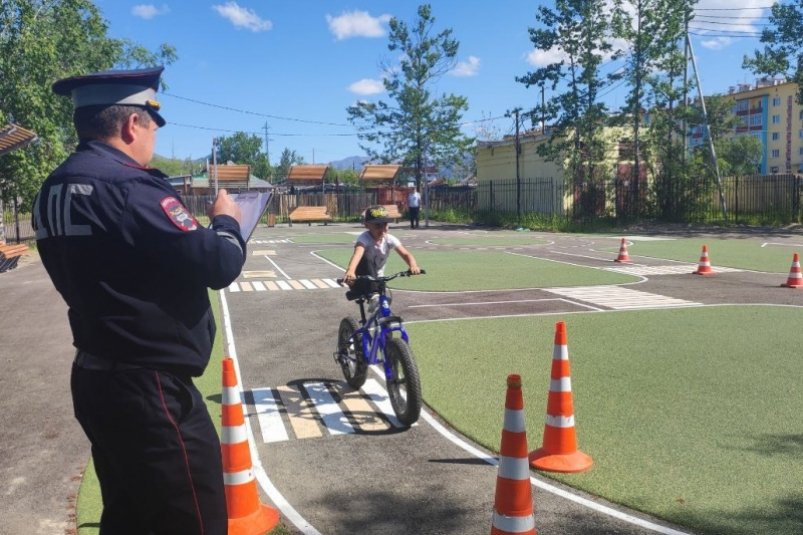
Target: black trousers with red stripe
x: 155, y: 450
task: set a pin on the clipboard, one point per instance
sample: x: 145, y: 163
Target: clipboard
x: 253, y: 205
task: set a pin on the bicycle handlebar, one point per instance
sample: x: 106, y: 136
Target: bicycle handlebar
x: 387, y: 278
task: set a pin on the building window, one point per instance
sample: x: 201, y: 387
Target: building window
x: 774, y: 170
x: 776, y: 101
x: 755, y: 120
x: 742, y: 105
x: 800, y: 151
x: 776, y: 136
x: 776, y: 153
x: 776, y: 119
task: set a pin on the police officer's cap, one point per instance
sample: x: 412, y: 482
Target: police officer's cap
x: 129, y: 88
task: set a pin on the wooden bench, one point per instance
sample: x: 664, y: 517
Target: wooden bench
x: 393, y: 211
x: 10, y: 255
x: 309, y: 215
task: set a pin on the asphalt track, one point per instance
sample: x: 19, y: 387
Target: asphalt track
x: 346, y: 476
x: 342, y: 466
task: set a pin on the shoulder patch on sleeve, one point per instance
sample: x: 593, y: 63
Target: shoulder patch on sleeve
x: 178, y: 215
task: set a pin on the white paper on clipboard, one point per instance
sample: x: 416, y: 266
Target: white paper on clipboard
x: 253, y: 205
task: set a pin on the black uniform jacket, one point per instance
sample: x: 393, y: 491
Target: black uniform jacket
x: 131, y: 261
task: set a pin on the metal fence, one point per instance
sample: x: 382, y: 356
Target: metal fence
x: 756, y: 200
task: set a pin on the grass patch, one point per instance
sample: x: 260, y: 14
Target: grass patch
x: 495, y: 239
x: 740, y: 253
x: 455, y: 271
x: 688, y: 415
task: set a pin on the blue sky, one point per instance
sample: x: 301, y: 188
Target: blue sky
x: 296, y: 66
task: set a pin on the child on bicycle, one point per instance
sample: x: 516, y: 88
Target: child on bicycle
x: 373, y: 246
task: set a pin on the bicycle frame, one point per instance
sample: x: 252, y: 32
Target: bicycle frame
x: 376, y: 329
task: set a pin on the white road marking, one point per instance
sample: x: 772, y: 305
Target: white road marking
x: 268, y: 415
x: 620, y: 298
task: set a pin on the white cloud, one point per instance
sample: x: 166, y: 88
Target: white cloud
x: 542, y: 58
x: 243, y: 17
x: 470, y: 67
x: 717, y: 43
x: 367, y: 86
x: 357, y: 24
x: 708, y: 23
x: 148, y: 11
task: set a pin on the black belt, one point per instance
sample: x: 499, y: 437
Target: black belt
x: 91, y: 362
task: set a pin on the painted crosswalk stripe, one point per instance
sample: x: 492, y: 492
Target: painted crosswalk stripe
x: 268, y: 415
x: 379, y: 396
x: 296, y: 285
x: 619, y: 298
x: 331, y: 283
x: 683, y: 269
x: 272, y: 286
x: 258, y: 286
x: 246, y: 287
x: 307, y: 284
x: 333, y: 418
x: 319, y: 283
x: 234, y: 287
x: 283, y: 285
x: 361, y: 410
x: 300, y: 412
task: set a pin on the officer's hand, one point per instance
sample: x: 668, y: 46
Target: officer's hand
x: 225, y: 205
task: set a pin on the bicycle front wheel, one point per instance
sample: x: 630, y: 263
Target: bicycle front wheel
x: 349, y: 353
x: 404, y: 385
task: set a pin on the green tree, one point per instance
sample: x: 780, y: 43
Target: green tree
x: 416, y: 129
x: 288, y: 158
x: 242, y: 148
x: 42, y: 41
x: 580, y: 30
x: 783, y: 42
x: 651, y: 28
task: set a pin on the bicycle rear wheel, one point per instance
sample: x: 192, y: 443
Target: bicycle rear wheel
x: 404, y: 387
x: 349, y: 353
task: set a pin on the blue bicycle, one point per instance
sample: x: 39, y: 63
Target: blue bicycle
x: 379, y: 337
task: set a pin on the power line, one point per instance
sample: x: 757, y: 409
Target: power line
x: 248, y: 112
x: 211, y: 129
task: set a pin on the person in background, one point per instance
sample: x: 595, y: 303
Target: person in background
x: 414, y: 205
x: 133, y: 266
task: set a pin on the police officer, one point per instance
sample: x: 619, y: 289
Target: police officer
x: 133, y: 266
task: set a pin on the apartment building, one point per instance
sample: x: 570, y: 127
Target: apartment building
x: 768, y: 111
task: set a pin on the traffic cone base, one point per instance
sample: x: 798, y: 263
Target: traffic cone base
x: 256, y: 522
x: 795, y: 279
x: 567, y: 462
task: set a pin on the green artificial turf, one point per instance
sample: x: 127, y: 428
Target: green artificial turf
x: 452, y: 271
x: 744, y: 253
x: 692, y: 415
x: 495, y: 239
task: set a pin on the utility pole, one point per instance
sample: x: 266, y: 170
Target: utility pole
x: 708, y: 130
x: 683, y: 126
x: 214, y: 161
x: 517, y: 148
x: 543, y: 111
x: 267, y: 149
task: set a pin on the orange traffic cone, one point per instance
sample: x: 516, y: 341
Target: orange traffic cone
x: 795, y: 279
x: 247, y: 516
x: 704, y: 267
x: 623, y: 256
x: 559, y: 452
x: 513, y: 503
